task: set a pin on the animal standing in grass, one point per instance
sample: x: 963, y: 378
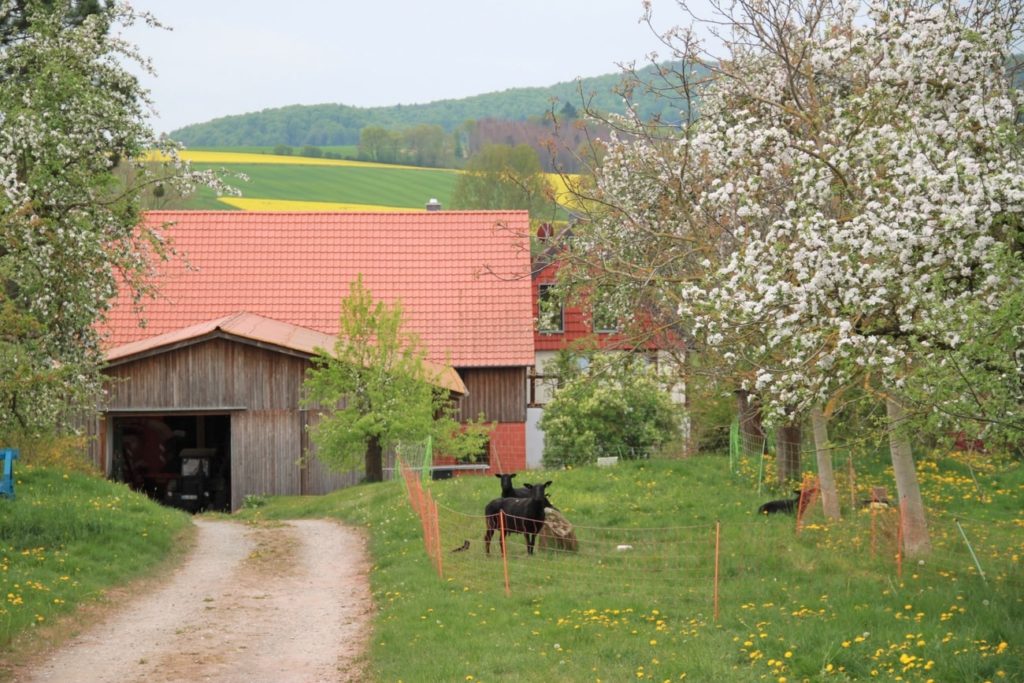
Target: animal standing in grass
x: 522, y: 516
x: 508, y: 491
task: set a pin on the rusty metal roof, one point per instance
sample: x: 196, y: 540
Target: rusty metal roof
x: 262, y: 330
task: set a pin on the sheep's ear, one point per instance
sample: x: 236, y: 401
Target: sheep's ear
x: 547, y: 484
x: 498, y: 476
x: 529, y: 486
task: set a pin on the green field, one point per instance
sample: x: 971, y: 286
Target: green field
x: 828, y: 604
x: 395, y: 187
x: 676, y: 577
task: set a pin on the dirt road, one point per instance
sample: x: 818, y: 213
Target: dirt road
x: 288, y: 603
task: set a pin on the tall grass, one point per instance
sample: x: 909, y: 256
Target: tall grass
x: 69, y: 535
x: 827, y: 604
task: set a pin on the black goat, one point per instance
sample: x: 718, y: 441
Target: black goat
x: 785, y: 505
x: 522, y: 516
x: 508, y: 491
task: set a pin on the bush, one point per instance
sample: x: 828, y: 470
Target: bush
x: 617, y: 406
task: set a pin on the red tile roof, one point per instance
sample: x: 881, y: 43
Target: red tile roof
x: 462, y: 277
x: 256, y: 328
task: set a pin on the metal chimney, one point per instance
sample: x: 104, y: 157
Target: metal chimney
x: 433, y: 205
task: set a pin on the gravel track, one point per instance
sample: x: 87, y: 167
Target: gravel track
x: 282, y: 603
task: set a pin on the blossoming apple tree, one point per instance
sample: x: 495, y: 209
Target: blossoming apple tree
x: 848, y: 208
x: 70, y: 114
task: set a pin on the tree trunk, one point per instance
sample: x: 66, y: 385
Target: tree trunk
x: 751, y: 431
x: 787, y: 452
x: 915, y: 525
x: 823, y: 454
x: 374, y: 460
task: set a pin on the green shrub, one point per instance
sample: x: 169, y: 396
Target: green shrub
x: 617, y: 406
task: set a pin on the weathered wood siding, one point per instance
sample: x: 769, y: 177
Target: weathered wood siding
x: 317, y: 477
x: 265, y: 454
x: 260, y: 388
x: 218, y: 372
x: 498, y: 393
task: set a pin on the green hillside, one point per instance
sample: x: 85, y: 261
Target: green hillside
x: 339, y: 124
x: 394, y: 187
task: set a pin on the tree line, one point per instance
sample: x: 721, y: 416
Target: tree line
x: 339, y: 124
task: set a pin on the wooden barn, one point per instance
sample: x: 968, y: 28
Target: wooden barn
x: 203, y: 404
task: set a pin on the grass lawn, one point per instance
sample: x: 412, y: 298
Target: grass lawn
x: 67, y: 537
x: 829, y: 604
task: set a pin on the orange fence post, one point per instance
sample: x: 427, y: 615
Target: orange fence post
x: 437, y: 541
x: 504, y: 555
x: 718, y: 537
x: 808, y: 494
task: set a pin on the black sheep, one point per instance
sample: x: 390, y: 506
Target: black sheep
x: 508, y: 491
x: 785, y: 505
x: 522, y: 516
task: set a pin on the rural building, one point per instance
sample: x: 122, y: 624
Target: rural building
x: 558, y: 327
x: 212, y: 381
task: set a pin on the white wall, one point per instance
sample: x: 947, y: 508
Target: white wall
x: 534, y: 439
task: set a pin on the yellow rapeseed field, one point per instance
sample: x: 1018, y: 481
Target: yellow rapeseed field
x: 561, y: 185
x: 254, y: 204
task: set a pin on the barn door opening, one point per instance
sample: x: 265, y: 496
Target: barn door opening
x: 183, y: 461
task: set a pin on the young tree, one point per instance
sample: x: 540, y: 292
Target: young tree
x: 504, y: 177
x: 70, y: 113
x: 376, y: 389
x: 377, y: 143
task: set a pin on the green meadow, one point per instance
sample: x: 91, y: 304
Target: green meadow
x: 675, y: 576
x: 399, y: 187
x: 638, y: 599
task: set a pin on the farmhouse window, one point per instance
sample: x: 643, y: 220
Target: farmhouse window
x: 604, y: 318
x: 551, y: 317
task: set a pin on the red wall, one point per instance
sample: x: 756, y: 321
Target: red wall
x: 576, y: 321
x: 507, y: 450
x: 508, y: 447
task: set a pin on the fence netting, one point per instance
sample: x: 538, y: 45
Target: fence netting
x: 695, y: 563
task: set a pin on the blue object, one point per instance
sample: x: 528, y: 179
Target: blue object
x: 9, y: 455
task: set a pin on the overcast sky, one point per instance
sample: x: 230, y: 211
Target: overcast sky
x: 224, y: 58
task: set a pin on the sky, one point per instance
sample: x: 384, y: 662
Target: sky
x: 222, y: 58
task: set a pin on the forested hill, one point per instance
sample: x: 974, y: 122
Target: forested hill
x: 338, y: 124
